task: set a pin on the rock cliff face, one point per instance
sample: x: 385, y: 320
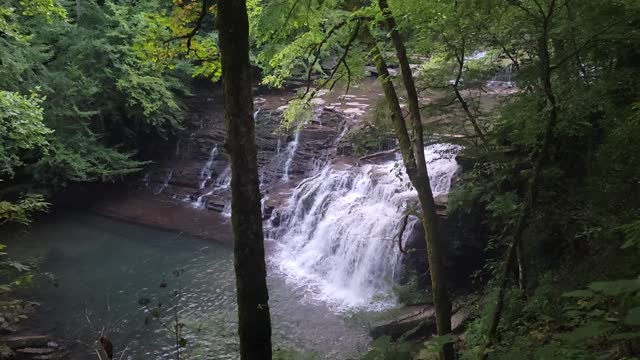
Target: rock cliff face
x: 193, y: 170
x: 464, y: 238
x: 194, y: 166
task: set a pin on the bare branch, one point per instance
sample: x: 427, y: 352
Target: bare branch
x: 203, y: 13
x: 465, y: 106
x: 403, y: 227
x: 286, y: 20
x: 380, y: 153
x: 342, y: 60
x: 522, y: 7
x: 346, y: 90
x: 318, y: 49
x: 586, y: 44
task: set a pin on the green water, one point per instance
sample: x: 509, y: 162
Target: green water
x: 103, y: 268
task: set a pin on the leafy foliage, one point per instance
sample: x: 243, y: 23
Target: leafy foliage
x: 93, y: 96
x: 384, y: 348
x: 85, y: 85
x: 22, y: 130
x: 374, y: 135
x: 20, y: 212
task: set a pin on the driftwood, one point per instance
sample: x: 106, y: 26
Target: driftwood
x: 381, y: 153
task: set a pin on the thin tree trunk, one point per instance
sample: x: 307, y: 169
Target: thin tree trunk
x: 522, y: 266
x: 397, y: 117
x: 551, y: 111
x: 421, y: 183
x: 465, y: 106
x: 254, y: 324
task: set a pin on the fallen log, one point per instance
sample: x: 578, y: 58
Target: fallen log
x: 381, y: 153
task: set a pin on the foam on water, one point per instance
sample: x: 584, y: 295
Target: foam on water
x: 336, y: 235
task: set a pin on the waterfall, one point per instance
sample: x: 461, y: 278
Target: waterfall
x: 224, y: 180
x: 221, y: 185
x: 165, y: 182
x: 206, y: 172
x: 291, y: 152
x: 336, y: 235
x: 146, y: 179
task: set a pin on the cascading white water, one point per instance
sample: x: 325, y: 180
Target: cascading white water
x: 224, y: 180
x: 336, y: 236
x: 147, y: 179
x: 165, y: 182
x: 221, y: 185
x: 206, y: 172
x: 291, y: 152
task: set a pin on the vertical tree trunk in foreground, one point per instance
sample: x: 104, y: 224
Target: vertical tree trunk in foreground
x: 254, y: 324
x: 416, y: 167
x: 421, y: 183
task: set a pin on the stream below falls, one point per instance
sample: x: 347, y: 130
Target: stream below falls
x: 103, y: 271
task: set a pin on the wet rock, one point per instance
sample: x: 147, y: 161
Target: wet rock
x: 178, y: 171
x: 25, y: 341
x: 441, y: 200
x: 6, y: 329
x: 464, y: 237
x: 267, y: 212
x: 35, y: 351
x: 276, y: 219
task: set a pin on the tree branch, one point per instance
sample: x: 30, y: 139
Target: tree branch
x: 342, y: 60
x: 203, y: 13
x: 403, y: 227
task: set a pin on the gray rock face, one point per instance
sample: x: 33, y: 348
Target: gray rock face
x: 463, y: 240
x: 193, y: 168
x: 197, y: 168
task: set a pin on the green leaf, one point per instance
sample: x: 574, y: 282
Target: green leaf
x: 581, y: 294
x: 588, y: 331
x: 182, y: 342
x: 633, y: 317
x: 625, y: 336
x: 617, y: 287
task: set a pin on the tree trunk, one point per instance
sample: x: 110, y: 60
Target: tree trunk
x: 421, y: 182
x: 522, y: 266
x: 465, y: 106
x: 551, y: 112
x: 254, y: 325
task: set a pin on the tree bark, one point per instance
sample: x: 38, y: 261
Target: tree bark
x: 421, y: 182
x: 254, y: 325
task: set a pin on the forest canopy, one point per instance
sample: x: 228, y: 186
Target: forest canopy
x: 552, y: 165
